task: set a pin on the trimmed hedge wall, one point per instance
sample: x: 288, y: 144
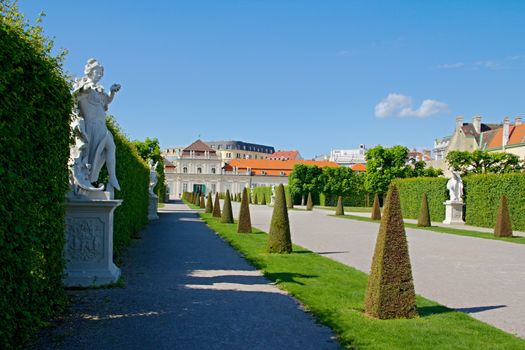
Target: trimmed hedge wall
x: 358, y: 199
x: 483, y: 193
x: 263, y: 191
x: 411, y: 191
x: 35, y: 107
x: 133, y: 176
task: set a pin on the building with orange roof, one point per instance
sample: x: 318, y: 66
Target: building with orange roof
x: 508, y: 138
x: 360, y: 168
x: 285, y: 155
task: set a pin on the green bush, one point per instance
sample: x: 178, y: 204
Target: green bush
x: 35, y: 107
x: 279, y: 238
x: 216, y: 207
x: 503, y: 226
x: 376, y: 209
x: 482, y: 196
x: 411, y: 191
x: 263, y: 192
x: 423, y: 219
x: 244, y: 224
x: 227, y: 213
x: 339, y: 209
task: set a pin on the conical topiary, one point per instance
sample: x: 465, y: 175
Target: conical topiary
x: 249, y: 198
x: 197, y: 200
x: 309, y: 202
x: 503, y: 226
x: 279, y: 240
x: 289, y: 201
x: 255, y: 198
x: 376, y: 210
x: 263, y: 199
x: 245, y: 223
x: 209, y: 204
x: 202, y: 204
x: 216, y: 207
x: 390, y: 291
x: 339, y: 210
x: 227, y: 215
x: 423, y: 219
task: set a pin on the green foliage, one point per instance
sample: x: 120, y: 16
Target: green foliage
x: 150, y: 149
x: 227, y: 214
x: 338, y: 181
x: 410, y: 193
x: 262, y: 194
x: 263, y: 200
x: 209, y: 204
x: 309, y: 202
x: 339, y: 210
x: 503, y: 226
x: 483, y: 162
x: 217, y: 207
x: 376, y: 209
x: 279, y: 239
x: 255, y: 200
x: 133, y: 176
x: 305, y: 178
x: 423, y: 219
x: 202, y: 204
x: 35, y: 107
x: 483, y: 193
x: 390, y: 292
x: 245, y: 224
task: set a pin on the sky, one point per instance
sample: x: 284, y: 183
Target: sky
x: 306, y: 75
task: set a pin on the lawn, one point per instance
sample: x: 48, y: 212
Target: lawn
x: 334, y: 293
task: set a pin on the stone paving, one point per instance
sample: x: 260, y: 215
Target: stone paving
x: 185, y: 288
x: 485, y: 278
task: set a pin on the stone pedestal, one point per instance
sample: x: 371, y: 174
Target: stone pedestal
x: 152, y: 209
x: 454, y: 212
x: 89, y: 243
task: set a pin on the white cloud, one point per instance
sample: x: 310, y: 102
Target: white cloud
x: 451, y: 65
x: 401, y: 106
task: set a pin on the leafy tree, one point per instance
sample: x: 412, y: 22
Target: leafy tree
x: 150, y: 149
x: 482, y: 162
x: 304, y: 179
x: 338, y: 181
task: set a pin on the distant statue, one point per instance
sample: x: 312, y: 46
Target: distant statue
x: 152, y: 176
x: 272, y: 199
x: 94, y: 145
x: 455, y: 187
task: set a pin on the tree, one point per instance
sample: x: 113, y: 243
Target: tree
x: 503, y: 226
x: 338, y: 181
x: 227, y: 215
x: 309, y: 202
x: 423, y: 219
x: 482, y: 162
x: 209, y: 204
x: 390, y: 291
x: 245, y: 224
x: 217, y: 207
x: 304, y: 179
x: 376, y: 209
x: 279, y: 238
x: 150, y: 149
x: 339, y: 210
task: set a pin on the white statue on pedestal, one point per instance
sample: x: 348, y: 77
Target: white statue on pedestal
x: 272, y: 199
x: 152, y: 177
x: 455, y: 187
x: 454, y: 206
x: 94, y: 145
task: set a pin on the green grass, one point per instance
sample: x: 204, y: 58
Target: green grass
x: 349, y: 209
x: 334, y: 293
x: 161, y: 205
x: 191, y: 205
x: 452, y: 231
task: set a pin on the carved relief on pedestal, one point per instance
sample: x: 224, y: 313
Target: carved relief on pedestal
x: 85, y: 239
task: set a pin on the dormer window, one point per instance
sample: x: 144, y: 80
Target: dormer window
x: 263, y: 172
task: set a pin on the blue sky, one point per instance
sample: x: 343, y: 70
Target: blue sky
x: 307, y: 75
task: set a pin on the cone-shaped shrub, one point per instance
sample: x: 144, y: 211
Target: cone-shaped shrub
x: 339, y: 210
x: 289, y: 201
x: 255, y: 198
x: 279, y: 240
x: 202, y: 204
x: 503, y: 226
x: 423, y: 219
x: 263, y: 199
x: 390, y: 292
x: 309, y: 202
x: 216, y: 207
x: 196, y: 200
x: 249, y: 198
x: 227, y: 215
x: 209, y: 204
x: 376, y: 210
x: 245, y: 223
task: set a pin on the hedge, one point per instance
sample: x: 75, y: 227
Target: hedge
x: 133, y: 176
x: 358, y: 199
x: 482, y: 195
x: 35, y: 107
x: 263, y: 191
x: 411, y: 191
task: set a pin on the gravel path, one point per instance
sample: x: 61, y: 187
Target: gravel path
x: 485, y: 278
x: 186, y: 289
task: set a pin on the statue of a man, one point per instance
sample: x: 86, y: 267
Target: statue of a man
x: 455, y: 187
x: 98, y: 147
x: 152, y: 176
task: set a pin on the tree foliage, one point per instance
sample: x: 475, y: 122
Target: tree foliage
x: 150, y: 149
x: 483, y: 162
x: 305, y: 179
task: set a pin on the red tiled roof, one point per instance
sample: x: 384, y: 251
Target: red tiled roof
x: 516, y: 135
x: 287, y: 155
x: 358, y: 167
x: 199, y: 146
x: 271, y: 167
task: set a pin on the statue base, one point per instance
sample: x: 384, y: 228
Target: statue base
x: 89, y: 243
x: 152, y: 209
x: 454, y: 212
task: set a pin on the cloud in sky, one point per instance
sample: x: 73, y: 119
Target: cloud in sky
x: 401, y: 106
x: 451, y: 65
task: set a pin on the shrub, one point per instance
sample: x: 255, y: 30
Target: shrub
x: 217, y: 207
x: 263, y: 201
x: 503, y: 226
x: 227, y: 215
x: 411, y: 190
x: 390, y: 291
x: 423, y: 219
x: 202, y: 205
x: 209, y: 204
x: 255, y: 198
x: 264, y: 194
x: 245, y: 223
x: 376, y: 210
x: 279, y: 239
x: 309, y: 202
x: 340, y: 210
x: 289, y: 198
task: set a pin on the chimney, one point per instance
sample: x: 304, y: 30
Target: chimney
x: 506, y: 127
x: 459, y: 122
x: 476, y: 122
x: 517, y: 121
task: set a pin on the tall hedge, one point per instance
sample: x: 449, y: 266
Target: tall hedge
x: 483, y: 193
x: 411, y: 191
x: 263, y: 192
x: 35, y: 106
x: 133, y: 177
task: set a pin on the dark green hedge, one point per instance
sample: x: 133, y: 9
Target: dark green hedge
x: 263, y: 191
x: 411, y: 191
x: 483, y: 193
x: 133, y: 176
x: 358, y: 199
x: 35, y: 106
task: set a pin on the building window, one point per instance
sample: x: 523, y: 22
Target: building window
x: 228, y: 146
x: 228, y: 155
x: 263, y: 172
x: 238, y: 155
x: 199, y: 170
x: 185, y: 187
x: 185, y: 170
x: 213, y: 188
x: 213, y: 172
x: 282, y: 173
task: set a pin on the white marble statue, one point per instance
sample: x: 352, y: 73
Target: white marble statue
x: 272, y: 199
x: 455, y: 187
x: 94, y: 145
x: 152, y: 176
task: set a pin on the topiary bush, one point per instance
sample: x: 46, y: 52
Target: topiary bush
x: 202, y: 204
x: 263, y: 193
x: 411, y: 190
x: 423, y: 219
x: 227, y: 215
x: 309, y: 202
x: 279, y: 238
x: 263, y: 200
x: 245, y: 224
x: 209, y: 204
x: 216, y: 207
x: 376, y: 210
x: 390, y: 291
x: 503, y: 226
x: 339, y: 210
